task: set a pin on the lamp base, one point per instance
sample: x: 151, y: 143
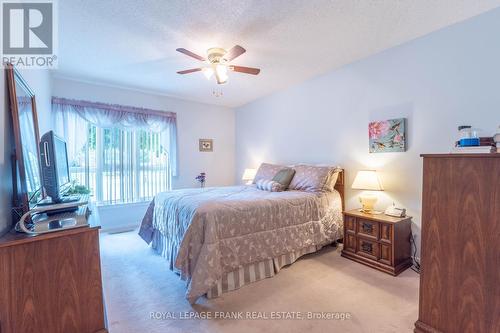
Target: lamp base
x: 368, y: 202
x: 373, y: 212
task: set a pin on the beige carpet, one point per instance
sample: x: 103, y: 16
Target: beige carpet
x: 137, y: 282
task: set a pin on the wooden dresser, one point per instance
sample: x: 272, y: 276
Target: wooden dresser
x: 460, y: 250
x: 52, y: 282
x: 377, y: 240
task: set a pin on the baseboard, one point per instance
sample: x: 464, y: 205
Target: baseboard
x: 119, y: 230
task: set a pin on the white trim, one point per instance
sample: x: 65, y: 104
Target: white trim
x: 119, y: 230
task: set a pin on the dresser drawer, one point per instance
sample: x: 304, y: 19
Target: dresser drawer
x: 368, y: 248
x: 350, y: 224
x: 368, y: 228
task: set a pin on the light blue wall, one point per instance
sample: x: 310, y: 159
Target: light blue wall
x: 442, y: 80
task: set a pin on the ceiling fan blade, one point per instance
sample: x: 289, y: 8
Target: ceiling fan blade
x: 187, y: 71
x: 235, y: 52
x: 191, y: 54
x: 246, y: 70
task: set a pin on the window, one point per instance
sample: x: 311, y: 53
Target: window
x: 120, y: 166
x: 122, y: 154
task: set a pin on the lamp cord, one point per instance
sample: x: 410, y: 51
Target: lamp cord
x: 415, y: 263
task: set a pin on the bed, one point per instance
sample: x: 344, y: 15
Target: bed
x: 222, y: 238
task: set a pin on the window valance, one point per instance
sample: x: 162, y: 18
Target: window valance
x: 68, y: 113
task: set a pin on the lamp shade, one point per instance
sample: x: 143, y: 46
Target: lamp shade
x: 367, y: 180
x: 249, y: 174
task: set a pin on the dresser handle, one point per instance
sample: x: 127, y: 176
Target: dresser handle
x: 367, y: 247
x: 367, y: 228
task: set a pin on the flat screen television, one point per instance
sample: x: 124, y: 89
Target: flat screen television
x: 55, y: 168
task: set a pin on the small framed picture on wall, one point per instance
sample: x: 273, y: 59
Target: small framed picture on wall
x: 206, y: 145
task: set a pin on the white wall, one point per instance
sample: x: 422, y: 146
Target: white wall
x: 39, y: 81
x: 438, y: 82
x: 194, y: 121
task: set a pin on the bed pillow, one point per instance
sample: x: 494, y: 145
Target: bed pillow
x: 332, y: 180
x: 269, y: 185
x: 284, y: 177
x: 314, y: 178
x: 267, y: 171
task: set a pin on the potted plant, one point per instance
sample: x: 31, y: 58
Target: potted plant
x: 77, y: 189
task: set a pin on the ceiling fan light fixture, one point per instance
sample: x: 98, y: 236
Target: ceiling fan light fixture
x: 221, y: 71
x: 208, y: 72
x: 217, y: 63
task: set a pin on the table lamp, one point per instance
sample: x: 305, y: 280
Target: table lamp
x: 248, y: 176
x: 367, y: 180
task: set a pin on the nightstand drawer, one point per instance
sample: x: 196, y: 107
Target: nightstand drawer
x: 367, y: 228
x: 385, y: 233
x: 385, y: 254
x: 350, y: 224
x: 368, y: 248
x: 350, y: 243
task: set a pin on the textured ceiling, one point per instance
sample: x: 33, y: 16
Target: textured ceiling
x: 132, y: 43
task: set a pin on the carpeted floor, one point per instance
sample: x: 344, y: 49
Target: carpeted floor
x: 139, y: 286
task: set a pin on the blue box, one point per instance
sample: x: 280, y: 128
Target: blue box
x: 469, y: 142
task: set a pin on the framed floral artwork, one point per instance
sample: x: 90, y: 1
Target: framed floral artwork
x: 387, y: 135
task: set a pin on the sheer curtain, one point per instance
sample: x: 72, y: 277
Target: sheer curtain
x: 121, y: 153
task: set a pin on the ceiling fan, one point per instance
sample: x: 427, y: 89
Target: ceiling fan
x: 217, y: 62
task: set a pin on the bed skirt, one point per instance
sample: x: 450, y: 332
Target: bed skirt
x: 256, y: 271
x: 244, y: 275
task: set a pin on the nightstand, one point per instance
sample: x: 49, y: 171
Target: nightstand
x: 379, y: 241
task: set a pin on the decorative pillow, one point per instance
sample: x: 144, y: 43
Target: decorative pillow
x: 267, y: 171
x: 284, y: 177
x: 269, y: 185
x: 314, y: 178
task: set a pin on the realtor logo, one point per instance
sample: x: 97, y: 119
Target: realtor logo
x: 29, y: 33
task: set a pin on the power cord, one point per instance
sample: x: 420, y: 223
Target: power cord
x: 39, y: 190
x: 18, y: 211
x: 415, y: 263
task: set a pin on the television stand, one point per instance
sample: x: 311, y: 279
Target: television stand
x: 61, y: 210
x: 66, y: 204
x: 63, y: 200
x: 42, y: 218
